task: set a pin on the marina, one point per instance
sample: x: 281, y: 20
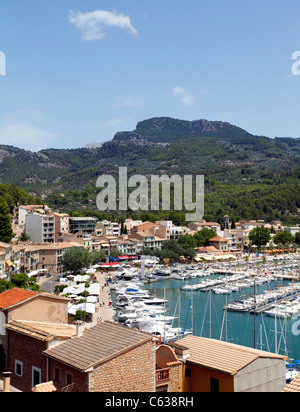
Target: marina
x: 174, y: 304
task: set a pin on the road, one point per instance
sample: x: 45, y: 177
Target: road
x: 48, y: 284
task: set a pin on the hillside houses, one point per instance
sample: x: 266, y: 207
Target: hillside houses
x: 51, y: 234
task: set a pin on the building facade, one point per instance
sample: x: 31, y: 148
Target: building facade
x: 40, y: 227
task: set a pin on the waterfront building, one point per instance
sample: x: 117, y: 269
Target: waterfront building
x: 40, y: 227
x: 195, y: 364
x: 82, y: 225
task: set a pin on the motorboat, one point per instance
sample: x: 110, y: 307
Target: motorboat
x: 222, y: 291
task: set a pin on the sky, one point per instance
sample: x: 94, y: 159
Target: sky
x: 79, y: 71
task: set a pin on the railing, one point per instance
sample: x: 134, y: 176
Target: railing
x: 162, y: 376
x: 68, y: 388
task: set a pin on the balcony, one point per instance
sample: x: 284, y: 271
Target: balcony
x: 162, y: 376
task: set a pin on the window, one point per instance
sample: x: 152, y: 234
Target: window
x: 214, y: 385
x: 188, y: 373
x: 36, y: 376
x: 18, y: 368
x: 56, y: 374
x: 69, y: 379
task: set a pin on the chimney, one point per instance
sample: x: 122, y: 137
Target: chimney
x: 182, y: 352
x: 6, y: 381
x: 80, y: 326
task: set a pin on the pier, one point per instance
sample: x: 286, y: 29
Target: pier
x: 271, y: 305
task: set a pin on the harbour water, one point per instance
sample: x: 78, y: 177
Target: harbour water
x: 203, y: 314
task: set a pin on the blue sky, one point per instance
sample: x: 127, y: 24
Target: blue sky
x: 80, y: 71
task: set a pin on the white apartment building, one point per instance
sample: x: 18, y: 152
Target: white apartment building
x: 197, y: 226
x: 40, y: 227
x: 21, y: 212
x: 234, y: 238
x: 106, y: 228
x: 61, y: 224
x: 293, y: 230
x: 177, y: 231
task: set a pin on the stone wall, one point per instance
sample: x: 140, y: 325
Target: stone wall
x: 133, y: 371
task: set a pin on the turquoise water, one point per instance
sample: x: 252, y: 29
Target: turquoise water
x: 206, y: 319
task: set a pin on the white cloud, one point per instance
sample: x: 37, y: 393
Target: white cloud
x: 19, y: 133
x: 186, y: 97
x: 91, y: 24
x: 134, y: 101
x: 115, y: 122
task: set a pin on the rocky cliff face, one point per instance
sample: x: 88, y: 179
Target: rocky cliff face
x: 168, y: 130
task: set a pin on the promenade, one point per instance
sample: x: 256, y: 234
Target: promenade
x: 105, y: 311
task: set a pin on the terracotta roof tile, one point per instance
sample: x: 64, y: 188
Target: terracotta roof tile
x: 224, y: 356
x: 13, y: 296
x: 218, y: 239
x: 294, y: 386
x: 97, y: 345
x: 45, y: 387
x: 43, y: 330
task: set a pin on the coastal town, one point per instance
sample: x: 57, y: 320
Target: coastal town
x: 50, y: 235
x: 149, y: 199
x: 93, y: 328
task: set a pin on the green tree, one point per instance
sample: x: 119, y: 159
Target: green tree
x: 80, y: 315
x: 24, y: 237
x: 284, y: 238
x: 187, y: 242
x: 97, y: 255
x: 20, y: 280
x: 76, y: 259
x: 203, y: 236
x: 260, y: 236
x: 6, y: 232
x: 4, y: 209
x: 189, y: 253
x: 115, y: 253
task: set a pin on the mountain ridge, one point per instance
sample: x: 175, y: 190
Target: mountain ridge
x: 159, y: 145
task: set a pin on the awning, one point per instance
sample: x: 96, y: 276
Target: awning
x: 110, y: 264
x: 34, y: 273
x: 86, y: 307
x: 9, y: 263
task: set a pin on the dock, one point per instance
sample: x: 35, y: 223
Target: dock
x: 271, y: 305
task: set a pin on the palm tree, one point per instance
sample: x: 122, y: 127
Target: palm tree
x: 280, y: 246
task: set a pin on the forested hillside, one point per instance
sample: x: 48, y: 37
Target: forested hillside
x: 246, y: 176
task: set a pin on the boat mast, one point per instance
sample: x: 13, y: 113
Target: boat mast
x: 192, y: 308
x: 254, y: 314
x: 164, y: 315
x: 224, y: 320
x: 179, y: 313
x: 210, y: 314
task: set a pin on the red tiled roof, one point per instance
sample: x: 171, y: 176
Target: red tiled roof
x: 13, y: 296
x: 218, y: 239
x: 294, y: 386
